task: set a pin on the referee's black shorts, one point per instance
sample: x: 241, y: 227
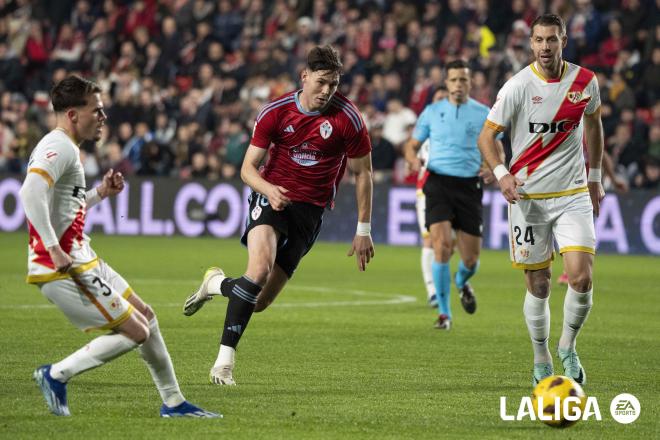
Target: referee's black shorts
x: 454, y: 199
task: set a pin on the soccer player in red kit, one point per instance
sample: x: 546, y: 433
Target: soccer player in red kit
x: 310, y: 135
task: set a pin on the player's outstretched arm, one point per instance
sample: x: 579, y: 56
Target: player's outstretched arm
x: 491, y: 154
x: 250, y: 174
x: 34, y: 197
x: 593, y: 129
x: 363, y: 246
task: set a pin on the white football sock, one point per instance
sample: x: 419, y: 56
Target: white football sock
x: 427, y: 272
x: 537, y: 317
x: 155, y: 355
x: 226, y: 356
x: 96, y: 353
x: 214, y: 284
x: 576, y: 310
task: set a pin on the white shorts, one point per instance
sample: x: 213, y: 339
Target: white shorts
x: 96, y: 300
x: 420, y: 204
x: 534, y: 222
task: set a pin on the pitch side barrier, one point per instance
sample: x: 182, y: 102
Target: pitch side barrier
x: 627, y: 224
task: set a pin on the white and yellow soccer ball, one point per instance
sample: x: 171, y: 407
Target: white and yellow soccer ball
x: 558, y: 401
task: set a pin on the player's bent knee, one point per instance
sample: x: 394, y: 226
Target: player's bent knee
x: 580, y: 283
x: 141, y: 317
x: 539, y: 282
x: 541, y: 290
x: 470, y: 261
x: 443, y: 251
x: 259, y: 272
x: 141, y: 335
x: 135, y: 329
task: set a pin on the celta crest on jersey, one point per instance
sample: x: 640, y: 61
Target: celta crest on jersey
x: 326, y: 129
x: 256, y: 212
x: 306, y: 154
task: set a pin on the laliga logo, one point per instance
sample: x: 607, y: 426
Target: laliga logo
x: 560, y: 402
x: 567, y: 409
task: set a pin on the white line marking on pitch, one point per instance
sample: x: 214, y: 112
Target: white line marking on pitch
x: 390, y: 298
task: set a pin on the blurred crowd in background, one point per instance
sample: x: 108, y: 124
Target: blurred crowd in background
x: 183, y: 79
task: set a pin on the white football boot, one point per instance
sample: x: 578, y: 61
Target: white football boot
x: 197, y: 300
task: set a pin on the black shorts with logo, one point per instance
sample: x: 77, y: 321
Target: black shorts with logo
x: 299, y: 225
x: 454, y: 199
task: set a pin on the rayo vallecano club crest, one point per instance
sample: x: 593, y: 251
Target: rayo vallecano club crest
x: 325, y: 129
x: 574, y: 97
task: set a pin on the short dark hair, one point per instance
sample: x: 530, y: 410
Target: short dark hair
x: 324, y: 58
x: 550, y: 20
x: 457, y: 64
x: 72, y: 91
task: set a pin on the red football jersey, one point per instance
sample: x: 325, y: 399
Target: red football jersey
x: 309, y: 149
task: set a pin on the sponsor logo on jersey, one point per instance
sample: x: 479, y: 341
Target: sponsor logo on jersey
x: 306, y: 155
x: 326, y: 129
x: 564, y: 126
x: 537, y: 100
x: 79, y: 192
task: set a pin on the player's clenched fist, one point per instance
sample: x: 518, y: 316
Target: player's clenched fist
x: 112, y: 184
x: 277, y: 198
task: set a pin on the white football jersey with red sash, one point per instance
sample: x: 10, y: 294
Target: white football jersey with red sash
x: 545, y: 117
x: 57, y: 159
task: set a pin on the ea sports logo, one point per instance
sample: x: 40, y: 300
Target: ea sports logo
x: 625, y: 408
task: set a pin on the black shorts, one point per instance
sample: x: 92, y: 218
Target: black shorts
x: 299, y: 225
x: 454, y: 199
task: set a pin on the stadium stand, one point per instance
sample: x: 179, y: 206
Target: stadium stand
x: 183, y: 79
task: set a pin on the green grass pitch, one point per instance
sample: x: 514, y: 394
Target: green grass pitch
x: 341, y: 354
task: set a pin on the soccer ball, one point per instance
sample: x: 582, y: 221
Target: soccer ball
x: 551, y: 393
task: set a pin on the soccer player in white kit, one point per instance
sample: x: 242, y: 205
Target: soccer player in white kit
x: 66, y: 269
x: 548, y: 105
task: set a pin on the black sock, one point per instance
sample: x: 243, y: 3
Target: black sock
x: 242, y: 299
x: 226, y: 286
